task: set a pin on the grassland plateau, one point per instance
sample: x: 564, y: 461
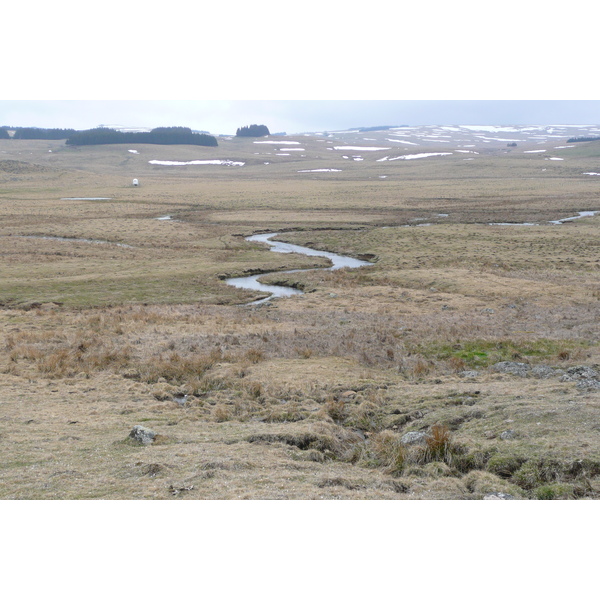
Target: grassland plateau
x: 462, y: 364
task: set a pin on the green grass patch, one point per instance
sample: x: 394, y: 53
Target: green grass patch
x: 484, y: 353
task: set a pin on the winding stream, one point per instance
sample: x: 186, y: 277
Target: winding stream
x: 338, y: 261
x: 279, y: 291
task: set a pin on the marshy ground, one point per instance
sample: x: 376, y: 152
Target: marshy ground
x: 479, y: 340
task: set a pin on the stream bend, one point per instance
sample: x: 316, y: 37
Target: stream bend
x: 279, y: 291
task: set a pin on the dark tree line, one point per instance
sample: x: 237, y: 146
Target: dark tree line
x: 40, y: 133
x: 159, y: 135
x: 4, y: 133
x: 583, y: 139
x: 252, y: 131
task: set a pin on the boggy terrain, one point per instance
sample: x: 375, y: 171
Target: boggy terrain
x: 462, y: 364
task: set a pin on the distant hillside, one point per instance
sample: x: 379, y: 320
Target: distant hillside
x: 379, y: 127
x: 159, y: 135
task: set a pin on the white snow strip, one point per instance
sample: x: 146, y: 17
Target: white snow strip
x: 556, y: 158
x: 176, y: 163
x: 319, y: 170
x: 495, y: 139
x: 422, y: 155
x: 467, y: 151
x: 133, y: 151
x: 590, y: 173
x: 365, y: 148
x: 532, y: 151
x: 293, y: 149
x: 496, y: 128
x: 556, y: 147
x: 280, y: 143
x: 401, y: 142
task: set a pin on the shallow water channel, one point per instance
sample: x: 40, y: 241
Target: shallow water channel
x: 279, y: 291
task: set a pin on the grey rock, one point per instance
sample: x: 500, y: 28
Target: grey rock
x: 498, y: 496
x: 470, y: 374
x: 181, y: 399
x: 509, y: 434
x: 545, y: 372
x: 142, y: 434
x: 588, y: 384
x: 512, y: 368
x: 580, y: 372
x: 414, y: 437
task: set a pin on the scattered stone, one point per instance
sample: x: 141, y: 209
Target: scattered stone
x: 498, y: 496
x: 181, y: 399
x: 414, y: 437
x: 469, y: 374
x: 580, y: 372
x: 142, y: 434
x: 545, y: 372
x: 490, y: 311
x: 587, y: 384
x: 177, y: 488
x: 513, y: 368
x: 509, y: 434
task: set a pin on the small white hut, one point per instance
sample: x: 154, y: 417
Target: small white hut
x: 135, y: 183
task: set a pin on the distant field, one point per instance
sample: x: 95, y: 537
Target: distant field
x: 109, y: 314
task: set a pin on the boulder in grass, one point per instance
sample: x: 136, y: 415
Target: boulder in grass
x: 414, y: 437
x: 513, y: 368
x: 498, y: 496
x: 142, y: 434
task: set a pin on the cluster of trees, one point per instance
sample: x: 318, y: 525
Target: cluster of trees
x: 159, y: 135
x: 4, y: 133
x: 40, y: 133
x: 252, y: 131
x: 583, y: 139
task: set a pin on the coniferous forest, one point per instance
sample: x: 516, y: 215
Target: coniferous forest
x: 252, y: 131
x: 41, y: 133
x: 159, y: 135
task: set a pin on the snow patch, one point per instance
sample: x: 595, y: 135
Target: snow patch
x: 413, y: 156
x: 365, y: 148
x: 400, y: 142
x: 319, y: 170
x: 277, y: 143
x: 228, y: 163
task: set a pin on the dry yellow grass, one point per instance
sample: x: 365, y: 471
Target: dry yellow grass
x: 306, y: 397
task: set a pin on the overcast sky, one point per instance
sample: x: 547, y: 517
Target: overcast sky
x: 224, y: 117
x: 311, y: 66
